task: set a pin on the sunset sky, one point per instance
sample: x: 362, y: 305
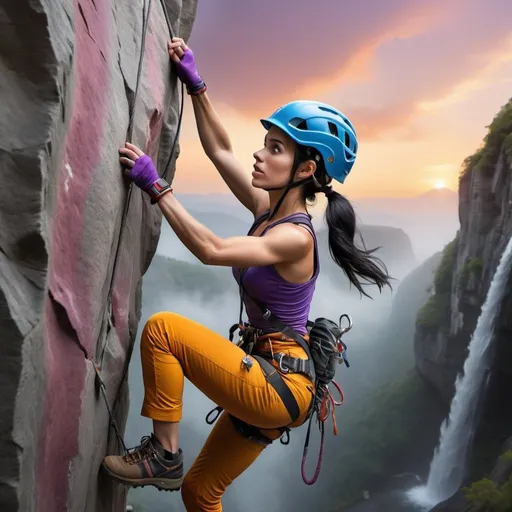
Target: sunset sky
x: 420, y: 80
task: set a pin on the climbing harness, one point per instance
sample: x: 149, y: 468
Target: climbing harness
x: 324, y: 349
x: 146, y: 12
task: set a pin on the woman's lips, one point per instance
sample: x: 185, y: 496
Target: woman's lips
x: 257, y: 170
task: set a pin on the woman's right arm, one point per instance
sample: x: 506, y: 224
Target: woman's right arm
x: 217, y: 147
x: 214, y: 138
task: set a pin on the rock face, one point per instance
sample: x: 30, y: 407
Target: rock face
x: 446, y: 322
x: 469, y: 263
x: 74, y: 239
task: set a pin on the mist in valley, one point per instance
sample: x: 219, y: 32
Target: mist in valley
x: 380, y: 386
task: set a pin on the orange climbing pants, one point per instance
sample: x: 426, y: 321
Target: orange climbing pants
x: 174, y: 347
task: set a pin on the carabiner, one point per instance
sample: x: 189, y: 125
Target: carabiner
x: 285, y: 437
x: 279, y: 359
x: 345, y: 329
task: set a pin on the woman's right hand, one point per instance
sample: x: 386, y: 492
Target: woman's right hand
x: 183, y: 56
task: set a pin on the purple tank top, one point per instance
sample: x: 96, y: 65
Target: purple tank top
x: 290, y: 302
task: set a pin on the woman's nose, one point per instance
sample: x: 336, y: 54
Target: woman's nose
x: 257, y: 155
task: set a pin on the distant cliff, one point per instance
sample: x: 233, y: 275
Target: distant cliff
x: 73, y: 242
x: 394, y: 249
x: 447, y: 320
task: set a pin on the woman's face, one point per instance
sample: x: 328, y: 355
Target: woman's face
x: 274, y: 161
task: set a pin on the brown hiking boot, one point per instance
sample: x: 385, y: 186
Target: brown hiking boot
x: 146, y: 464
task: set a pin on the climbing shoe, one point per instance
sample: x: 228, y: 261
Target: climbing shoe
x: 147, y: 464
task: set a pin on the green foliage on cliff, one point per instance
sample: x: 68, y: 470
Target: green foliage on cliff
x: 499, y: 135
x: 474, y: 267
x: 444, y: 272
x: 488, y: 496
x: 436, y: 311
x: 507, y: 456
x: 433, y: 313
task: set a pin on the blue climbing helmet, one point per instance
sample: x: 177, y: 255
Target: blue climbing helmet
x: 320, y: 126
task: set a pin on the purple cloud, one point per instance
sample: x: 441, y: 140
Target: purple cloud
x: 254, y: 55
x: 257, y: 55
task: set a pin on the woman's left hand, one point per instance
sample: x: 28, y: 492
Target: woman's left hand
x: 132, y: 153
x: 141, y: 169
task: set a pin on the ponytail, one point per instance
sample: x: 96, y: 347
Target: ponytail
x: 357, y: 264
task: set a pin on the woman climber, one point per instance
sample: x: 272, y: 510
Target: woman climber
x: 307, y: 145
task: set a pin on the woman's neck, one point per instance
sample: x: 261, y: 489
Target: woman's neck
x: 292, y: 203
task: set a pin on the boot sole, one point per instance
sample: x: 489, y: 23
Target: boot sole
x: 162, y: 484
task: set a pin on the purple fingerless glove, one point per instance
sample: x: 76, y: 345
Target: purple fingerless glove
x: 187, y: 71
x: 143, y: 173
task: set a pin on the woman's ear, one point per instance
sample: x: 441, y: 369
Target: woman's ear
x: 306, y: 169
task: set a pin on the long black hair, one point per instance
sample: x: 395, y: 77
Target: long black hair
x: 357, y: 264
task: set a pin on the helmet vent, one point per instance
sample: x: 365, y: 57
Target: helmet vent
x: 330, y: 110
x: 333, y: 129
x: 299, y: 123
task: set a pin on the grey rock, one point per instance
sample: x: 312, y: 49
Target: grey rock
x: 68, y: 74
x: 485, y: 212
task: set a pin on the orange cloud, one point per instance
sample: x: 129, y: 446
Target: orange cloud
x: 374, y: 122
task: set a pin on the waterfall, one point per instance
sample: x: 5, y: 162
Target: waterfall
x: 448, y: 463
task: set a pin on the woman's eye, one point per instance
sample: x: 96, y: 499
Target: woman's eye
x: 275, y: 149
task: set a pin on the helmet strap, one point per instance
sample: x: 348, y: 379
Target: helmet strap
x: 288, y: 187
x: 291, y: 184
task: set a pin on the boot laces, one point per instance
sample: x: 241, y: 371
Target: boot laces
x: 140, y: 453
